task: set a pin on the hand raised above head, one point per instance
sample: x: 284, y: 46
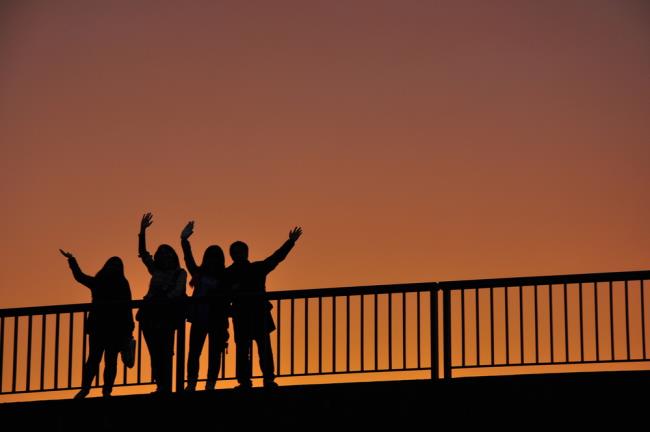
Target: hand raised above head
x: 68, y: 255
x: 295, y: 233
x: 188, y: 230
x: 147, y: 220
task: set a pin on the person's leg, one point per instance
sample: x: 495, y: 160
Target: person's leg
x: 110, y: 367
x: 216, y: 347
x: 265, y: 352
x: 242, y: 355
x: 95, y: 351
x: 151, y: 339
x: 197, y: 339
x: 166, y: 359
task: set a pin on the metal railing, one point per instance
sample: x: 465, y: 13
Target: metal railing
x: 434, y: 329
x: 582, y: 319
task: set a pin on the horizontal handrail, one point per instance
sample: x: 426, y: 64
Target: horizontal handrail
x: 271, y: 295
x: 382, y: 289
x: 546, y: 280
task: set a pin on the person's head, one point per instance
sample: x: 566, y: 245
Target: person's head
x: 213, y: 260
x: 239, y: 251
x: 165, y: 258
x: 112, y: 269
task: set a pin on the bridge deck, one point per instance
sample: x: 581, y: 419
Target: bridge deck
x: 512, y: 402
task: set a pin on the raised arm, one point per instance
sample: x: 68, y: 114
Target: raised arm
x: 279, y: 255
x: 144, y: 255
x: 190, y: 263
x: 78, y: 275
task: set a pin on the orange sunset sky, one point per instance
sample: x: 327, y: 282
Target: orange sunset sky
x: 413, y: 141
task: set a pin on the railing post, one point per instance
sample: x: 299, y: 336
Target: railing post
x: 180, y: 357
x: 433, y: 312
x: 446, y: 314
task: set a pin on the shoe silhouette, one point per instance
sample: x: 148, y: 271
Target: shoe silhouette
x: 82, y: 394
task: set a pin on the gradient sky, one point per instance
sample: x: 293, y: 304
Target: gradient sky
x: 413, y: 141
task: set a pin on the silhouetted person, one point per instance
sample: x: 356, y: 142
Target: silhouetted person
x: 109, y: 326
x: 252, y: 317
x: 208, y: 319
x: 159, y: 319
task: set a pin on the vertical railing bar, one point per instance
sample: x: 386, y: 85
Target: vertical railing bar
x: 83, y: 340
x: 627, y: 320
x: 223, y: 364
x: 521, y: 325
x: 535, y: 310
x: 492, y: 325
x: 390, y: 331
x: 362, y: 327
x: 433, y: 322
x: 550, y: 321
x: 566, y: 325
x: 15, y: 355
x: 123, y: 373
x: 333, y: 334
x: 643, y: 319
x: 43, y: 339
x: 507, y: 318
x: 2, y: 349
x: 70, y: 341
x: 347, y: 333
x: 462, y: 327
x: 306, y: 335
x: 478, y: 327
x: 251, y: 356
x: 417, y: 319
x: 180, y: 356
x: 376, y: 332
x: 582, y: 335
x: 278, y: 340
x: 320, y: 334
x: 223, y: 361
x: 29, y: 353
x: 56, y: 350
x: 597, y: 335
x: 83, y: 347
x: 447, y: 332
x: 139, y: 371
x: 293, y: 312
x: 403, y: 330
x: 611, y: 319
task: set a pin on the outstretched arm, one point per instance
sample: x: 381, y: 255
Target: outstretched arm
x: 190, y: 263
x: 144, y: 255
x: 279, y: 255
x: 78, y: 275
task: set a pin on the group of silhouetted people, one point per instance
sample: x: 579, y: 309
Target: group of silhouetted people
x: 220, y: 292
